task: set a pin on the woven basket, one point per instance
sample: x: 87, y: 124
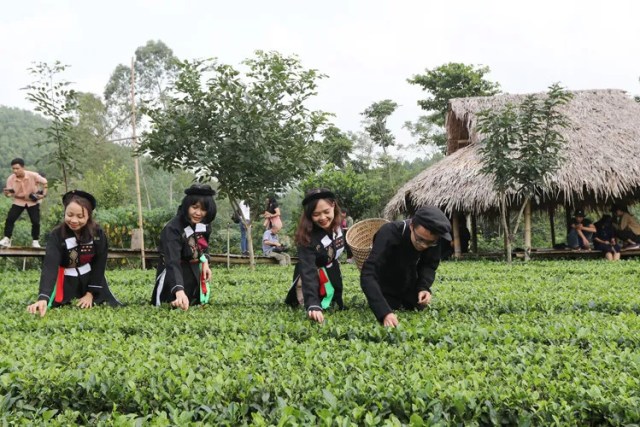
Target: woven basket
x: 360, y: 238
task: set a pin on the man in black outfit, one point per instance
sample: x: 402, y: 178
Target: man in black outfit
x: 401, y: 267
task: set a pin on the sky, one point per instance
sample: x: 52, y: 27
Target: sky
x: 368, y: 48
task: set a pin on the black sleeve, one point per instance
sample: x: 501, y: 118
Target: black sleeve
x: 310, y: 279
x: 52, y: 260
x: 370, y: 276
x: 427, y: 269
x: 171, y: 248
x: 99, y: 264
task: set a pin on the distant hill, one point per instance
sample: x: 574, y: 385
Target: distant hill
x: 19, y: 138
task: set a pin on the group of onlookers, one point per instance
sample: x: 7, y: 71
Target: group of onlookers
x: 610, y: 234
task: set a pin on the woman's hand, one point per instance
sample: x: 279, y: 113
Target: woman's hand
x: 206, y: 271
x: 181, y: 300
x: 38, y: 306
x: 316, y: 315
x: 86, y: 301
x: 390, y: 320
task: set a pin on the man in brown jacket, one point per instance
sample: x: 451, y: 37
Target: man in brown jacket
x: 27, y: 189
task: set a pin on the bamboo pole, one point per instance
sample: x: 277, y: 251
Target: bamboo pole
x: 137, y: 166
x: 527, y: 231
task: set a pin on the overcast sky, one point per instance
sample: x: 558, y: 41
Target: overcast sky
x: 367, y: 47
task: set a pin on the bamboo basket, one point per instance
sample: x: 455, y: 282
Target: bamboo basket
x: 360, y: 238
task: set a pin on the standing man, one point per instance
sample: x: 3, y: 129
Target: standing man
x: 246, y: 214
x: 401, y: 267
x: 272, y: 247
x: 27, y: 190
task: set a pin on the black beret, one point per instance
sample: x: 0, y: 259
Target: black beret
x: 67, y: 197
x: 317, y: 193
x: 579, y: 212
x: 433, y: 220
x: 200, y: 190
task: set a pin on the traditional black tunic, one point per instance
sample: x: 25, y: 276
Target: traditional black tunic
x: 395, y: 271
x: 72, y: 268
x: 181, y: 246
x: 322, y: 252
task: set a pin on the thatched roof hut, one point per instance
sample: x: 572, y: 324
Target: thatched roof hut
x: 602, y: 158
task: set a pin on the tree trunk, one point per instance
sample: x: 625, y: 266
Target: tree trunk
x: 474, y: 234
x: 527, y: 231
x: 505, y: 226
x: 552, y: 224
x: 457, y: 250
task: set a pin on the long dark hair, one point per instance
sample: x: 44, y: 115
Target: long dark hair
x: 306, y: 224
x: 207, y: 203
x: 89, y: 230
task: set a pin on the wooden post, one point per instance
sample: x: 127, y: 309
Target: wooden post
x: 527, y: 231
x: 474, y: 234
x: 552, y: 225
x: 137, y: 165
x: 567, y: 217
x: 457, y: 250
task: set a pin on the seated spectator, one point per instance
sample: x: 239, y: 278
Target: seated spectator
x: 581, y: 231
x: 272, y: 247
x: 626, y: 227
x: 604, y: 240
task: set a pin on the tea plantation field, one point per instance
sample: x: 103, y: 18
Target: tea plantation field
x: 547, y: 343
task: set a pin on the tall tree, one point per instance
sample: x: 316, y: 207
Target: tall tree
x: 155, y: 68
x: 376, y: 116
x: 449, y: 81
x: 336, y: 146
x: 54, y: 98
x: 250, y: 131
x: 522, y: 146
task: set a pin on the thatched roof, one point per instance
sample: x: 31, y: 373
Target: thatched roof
x: 602, y: 158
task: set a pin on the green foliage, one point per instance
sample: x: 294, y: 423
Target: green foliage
x: 155, y: 68
x: 352, y: 189
x: 443, y: 83
x: 109, y: 185
x: 118, y: 224
x: 19, y: 137
x: 546, y: 343
x: 522, y: 146
x: 449, y: 81
x: 57, y: 102
x: 376, y: 116
x: 335, y: 146
x: 251, y: 133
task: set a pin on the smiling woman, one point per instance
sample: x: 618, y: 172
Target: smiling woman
x: 183, y: 274
x: 75, y: 259
x: 317, y: 280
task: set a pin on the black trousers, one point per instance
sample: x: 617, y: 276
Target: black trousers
x: 14, y: 214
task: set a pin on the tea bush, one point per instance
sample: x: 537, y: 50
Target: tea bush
x: 543, y: 343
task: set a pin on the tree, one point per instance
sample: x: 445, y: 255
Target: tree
x: 155, y: 68
x: 449, y: 81
x: 376, y: 116
x: 427, y: 134
x: 335, y: 146
x: 522, y: 146
x: 57, y: 102
x: 251, y: 132
x: 352, y: 190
